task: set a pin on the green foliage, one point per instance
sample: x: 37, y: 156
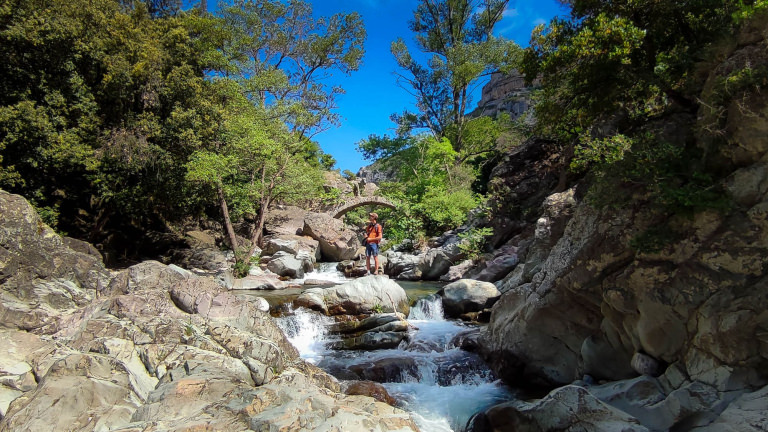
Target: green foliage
x: 433, y: 186
x: 472, y: 243
x: 331, y: 197
x: 115, y: 114
x: 611, y: 70
x: 377, y: 308
x: 654, y: 239
x: 349, y: 175
x: 458, y: 34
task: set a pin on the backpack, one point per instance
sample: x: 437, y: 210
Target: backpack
x: 375, y: 229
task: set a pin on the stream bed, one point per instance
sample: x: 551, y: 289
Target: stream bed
x: 440, y: 384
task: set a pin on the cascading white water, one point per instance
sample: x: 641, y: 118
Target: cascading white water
x: 325, y: 271
x: 428, y: 308
x: 306, y: 330
x: 442, y: 385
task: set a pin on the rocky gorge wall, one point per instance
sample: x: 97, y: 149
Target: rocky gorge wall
x: 692, y: 318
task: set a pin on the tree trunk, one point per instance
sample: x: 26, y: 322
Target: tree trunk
x: 256, y: 239
x: 227, y: 222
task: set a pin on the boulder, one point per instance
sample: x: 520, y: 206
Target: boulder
x: 497, y: 267
x: 379, y: 331
x: 567, y: 409
x: 363, y: 295
x: 458, y: 271
x: 275, y: 245
x: 284, y: 220
x: 401, y: 265
x: 437, y: 261
x: 337, y: 241
x: 285, y: 264
x: 467, y: 295
x: 745, y: 414
x: 42, y: 281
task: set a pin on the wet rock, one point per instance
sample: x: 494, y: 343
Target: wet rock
x: 567, y: 409
x: 368, y: 388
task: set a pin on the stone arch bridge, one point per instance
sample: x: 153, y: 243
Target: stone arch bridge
x: 342, y: 209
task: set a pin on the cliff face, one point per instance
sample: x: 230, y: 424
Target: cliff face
x: 504, y: 93
x: 583, y: 302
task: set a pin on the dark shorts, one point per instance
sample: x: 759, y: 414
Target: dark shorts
x: 372, y: 249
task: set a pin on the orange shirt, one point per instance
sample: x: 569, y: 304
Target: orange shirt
x: 373, y: 233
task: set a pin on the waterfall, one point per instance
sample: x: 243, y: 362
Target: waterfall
x: 306, y: 330
x: 325, y: 271
x: 428, y: 308
x: 440, y: 384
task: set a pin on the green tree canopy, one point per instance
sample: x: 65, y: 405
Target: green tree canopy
x: 457, y: 36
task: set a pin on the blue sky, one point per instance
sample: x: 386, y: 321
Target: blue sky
x: 372, y: 93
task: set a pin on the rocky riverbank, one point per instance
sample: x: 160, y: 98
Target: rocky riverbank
x: 151, y: 347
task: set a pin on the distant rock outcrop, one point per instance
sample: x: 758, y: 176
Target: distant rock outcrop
x: 504, y: 93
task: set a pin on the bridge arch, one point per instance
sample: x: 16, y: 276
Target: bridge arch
x: 356, y: 202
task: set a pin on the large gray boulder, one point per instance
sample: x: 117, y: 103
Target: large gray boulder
x: 286, y: 264
x: 401, y: 265
x: 43, y: 281
x: 467, y: 295
x: 360, y: 296
x: 435, y: 263
x: 337, y: 241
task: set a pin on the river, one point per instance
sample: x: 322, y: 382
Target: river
x: 440, y: 384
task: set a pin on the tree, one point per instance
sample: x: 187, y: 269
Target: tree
x: 281, y: 54
x: 437, y: 188
x: 458, y: 36
x: 256, y: 163
x: 616, y: 78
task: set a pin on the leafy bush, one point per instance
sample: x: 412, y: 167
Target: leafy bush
x: 473, y: 242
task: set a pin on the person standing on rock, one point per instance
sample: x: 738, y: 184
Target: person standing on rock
x: 373, y: 233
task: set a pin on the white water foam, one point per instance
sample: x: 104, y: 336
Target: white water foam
x: 325, y: 271
x: 306, y: 330
x: 448, y: 385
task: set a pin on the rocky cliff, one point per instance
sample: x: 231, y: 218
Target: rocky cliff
x: 149, y: 348
x: 684, y: 327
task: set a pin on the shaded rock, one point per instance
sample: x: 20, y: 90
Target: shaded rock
x: 496, y: 268
x: 745, y: 414
x: 458, y: 271
x: 467, y: 295
x: 39, y: 281
x: 437, y: 262
x: 645, y: 364
x: 402, y: 265
x: 644, y: 398
x: 568, y: 409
